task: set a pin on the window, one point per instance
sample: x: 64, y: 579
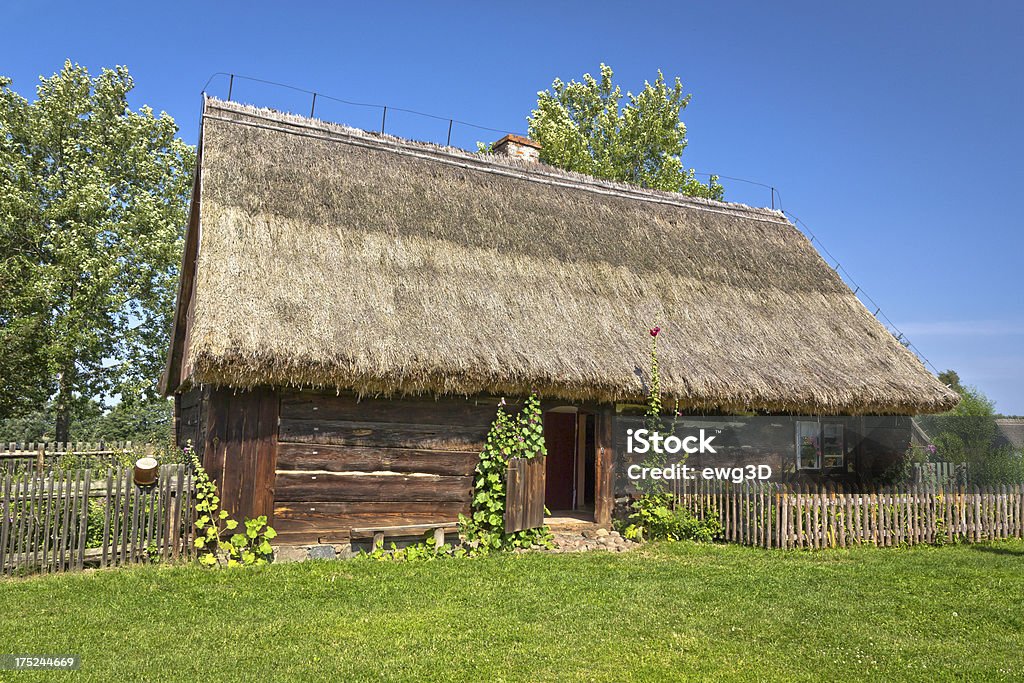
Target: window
x: 819, y: 444
x: 832, y: 444
x: 808, y: 450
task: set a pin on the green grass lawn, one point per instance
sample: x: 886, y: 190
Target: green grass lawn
x: 664, y: 612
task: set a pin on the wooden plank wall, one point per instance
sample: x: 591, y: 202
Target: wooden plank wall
x: 240, y: 449
x: 345, y: 463
x: 191, y: 417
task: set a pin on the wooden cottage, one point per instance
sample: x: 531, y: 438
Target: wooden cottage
x: 352, y: 306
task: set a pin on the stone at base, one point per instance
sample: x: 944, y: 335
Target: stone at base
x: 322, y: 552
x: 290, y: 553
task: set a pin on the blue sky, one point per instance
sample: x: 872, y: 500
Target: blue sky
x: 891, y: 129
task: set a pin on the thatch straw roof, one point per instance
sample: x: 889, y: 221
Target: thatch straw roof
x: 332, y: 257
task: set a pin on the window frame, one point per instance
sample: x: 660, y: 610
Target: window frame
x: 820, y: 460
x: 798, y: 436
x: 842, y: 446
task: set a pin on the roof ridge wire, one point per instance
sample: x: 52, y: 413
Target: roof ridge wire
x: 324, y: 96
x: 896, y: 331
x: 838, y: 267
x: 510, y: 171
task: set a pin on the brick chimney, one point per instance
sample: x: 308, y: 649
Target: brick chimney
x: 517, y: 147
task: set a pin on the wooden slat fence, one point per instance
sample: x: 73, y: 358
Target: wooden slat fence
x: 62, y: 520
x: 801, y: 516
x: 44, y: 455
x: 524, y: 494
x: 945, y: 473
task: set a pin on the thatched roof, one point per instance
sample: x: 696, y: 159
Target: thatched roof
x: 332, y: 257
x: 1010, y: 431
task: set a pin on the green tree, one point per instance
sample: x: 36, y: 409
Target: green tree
x: 952, y: 380
x: 92, y: 210
x: 140, y: 420
x: 583, y: 127
x: 967, y: 433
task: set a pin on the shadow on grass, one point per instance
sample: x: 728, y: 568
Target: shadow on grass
x: 999, y: 550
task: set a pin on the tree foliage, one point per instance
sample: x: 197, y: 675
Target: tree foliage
x: 139, y: 419
x: 952, y: 380
x: 969, y: 434
x: 92, y: 210
x: 583, y: 127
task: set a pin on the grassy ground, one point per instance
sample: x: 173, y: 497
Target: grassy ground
x: 664, y: 612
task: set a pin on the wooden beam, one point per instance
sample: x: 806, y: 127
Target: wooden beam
x: 604, y: 444
x: 300, y: 456
x: 342, y: 487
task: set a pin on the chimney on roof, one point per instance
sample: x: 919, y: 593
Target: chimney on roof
x: 517, y: 147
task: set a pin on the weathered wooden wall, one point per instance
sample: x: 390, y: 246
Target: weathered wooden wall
x: 190, y: 418
x: 885, y: 439
x: 319, y: 464
x: 344, y: 463
x: 240, y: 451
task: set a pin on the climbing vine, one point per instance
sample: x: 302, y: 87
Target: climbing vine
x: 654, y: 418
x: 508, y: 437
x: 653, y: 514
x: 251, y: 546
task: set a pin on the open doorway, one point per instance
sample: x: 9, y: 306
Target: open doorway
x: 569, y: 435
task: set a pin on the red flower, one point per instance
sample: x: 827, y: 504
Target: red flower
x: 655, y: 331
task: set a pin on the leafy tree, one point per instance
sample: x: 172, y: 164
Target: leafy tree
x: 139, y: 419
x: 92, y: 209
x: 952, y: 380
x: 583, y: 127
x: 965, y: 433
x: 136, y: 419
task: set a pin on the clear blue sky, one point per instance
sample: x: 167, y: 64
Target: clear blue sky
x: 892, y: 129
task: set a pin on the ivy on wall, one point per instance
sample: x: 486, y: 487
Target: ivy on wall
x: 508, y: 437
x: 251, y: 546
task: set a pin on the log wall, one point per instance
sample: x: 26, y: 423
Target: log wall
x: 190, y: 420
x: 344, y: 463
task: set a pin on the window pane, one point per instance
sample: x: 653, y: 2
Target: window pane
x: 832, y: 444
x: 808, y: 447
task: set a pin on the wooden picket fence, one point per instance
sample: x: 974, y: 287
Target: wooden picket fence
x: 773, y: 515
x: 44, y: 455
x: 945, y: 473
x: 63, y: 520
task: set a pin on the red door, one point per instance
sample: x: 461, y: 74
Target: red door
x: 560, y: 439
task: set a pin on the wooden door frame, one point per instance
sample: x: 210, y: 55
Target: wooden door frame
x: 604, y: 455
x: 604, y: 462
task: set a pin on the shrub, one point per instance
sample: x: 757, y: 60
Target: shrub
x: 652, y: 518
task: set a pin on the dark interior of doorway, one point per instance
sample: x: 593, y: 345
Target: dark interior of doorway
x: 571, y: 462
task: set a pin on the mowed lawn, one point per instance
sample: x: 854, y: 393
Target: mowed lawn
x: 663, y: 612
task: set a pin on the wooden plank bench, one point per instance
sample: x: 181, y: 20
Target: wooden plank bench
x: 378, y: 533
